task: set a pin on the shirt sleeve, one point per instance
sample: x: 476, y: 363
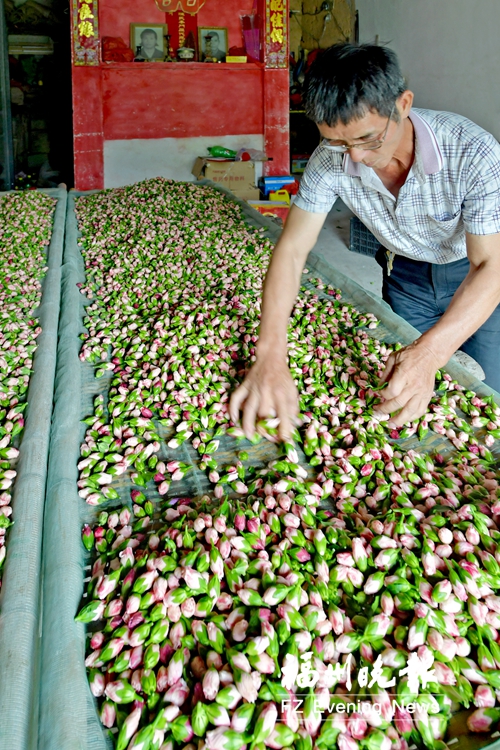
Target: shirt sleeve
x: 481, y: 205
x: 317, y: 192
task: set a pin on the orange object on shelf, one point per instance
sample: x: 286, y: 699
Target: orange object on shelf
x: 271, y: 209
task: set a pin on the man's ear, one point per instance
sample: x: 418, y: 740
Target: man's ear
x: 404, y: 102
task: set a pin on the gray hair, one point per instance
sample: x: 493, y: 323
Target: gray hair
x: 347, y: 81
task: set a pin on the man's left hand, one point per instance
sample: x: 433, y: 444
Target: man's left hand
x: 410, y: 374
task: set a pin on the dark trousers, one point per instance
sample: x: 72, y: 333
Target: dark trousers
x: 421, y: 292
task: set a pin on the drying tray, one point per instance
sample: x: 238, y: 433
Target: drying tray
x: 21, y: 585
x: 68, y: 717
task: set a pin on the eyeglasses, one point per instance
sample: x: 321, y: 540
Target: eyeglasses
x: 342, y: 148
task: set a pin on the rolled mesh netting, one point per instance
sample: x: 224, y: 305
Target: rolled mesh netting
x: 20, y: 595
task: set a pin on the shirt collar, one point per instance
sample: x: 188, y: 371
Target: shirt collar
x: 428, y: 156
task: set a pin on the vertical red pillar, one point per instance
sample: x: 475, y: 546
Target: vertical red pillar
x: 276, y: 121
x: 276, y: 86
x: 88, y: 133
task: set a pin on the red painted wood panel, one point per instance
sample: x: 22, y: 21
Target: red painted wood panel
x: 276, y: 121
x: 88, y: 137
x: 185, y: 100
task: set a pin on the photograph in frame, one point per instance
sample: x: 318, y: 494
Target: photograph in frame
x: 212, y: 43
x: 148, y: 41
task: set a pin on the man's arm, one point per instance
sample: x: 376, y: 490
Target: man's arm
x: 269, y: 388
x: 410, y: 371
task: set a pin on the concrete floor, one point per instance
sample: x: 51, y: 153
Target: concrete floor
x: 333, y: 244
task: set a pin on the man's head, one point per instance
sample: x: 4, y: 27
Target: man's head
x: 149, y: 39
x: 348, y: 80
x: 213, y: 40
x: 356, y: 94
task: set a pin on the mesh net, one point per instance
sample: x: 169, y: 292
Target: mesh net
x: 20, y: 599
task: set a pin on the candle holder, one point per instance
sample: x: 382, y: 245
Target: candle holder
x: 168, y: 57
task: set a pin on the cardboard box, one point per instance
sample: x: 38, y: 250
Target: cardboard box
x: 236, y: 176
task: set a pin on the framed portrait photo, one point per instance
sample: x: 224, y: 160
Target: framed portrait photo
x: 212, y: 44
x: 148, y: 41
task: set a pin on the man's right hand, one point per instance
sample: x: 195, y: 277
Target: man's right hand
x: 267, y: 391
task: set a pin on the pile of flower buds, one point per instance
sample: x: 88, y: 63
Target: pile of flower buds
x: 209, y: 614
x: 25, y: 231
x: 175, y: 277
x: 231, y: 625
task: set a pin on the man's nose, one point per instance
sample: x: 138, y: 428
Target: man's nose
x: 356, y: 154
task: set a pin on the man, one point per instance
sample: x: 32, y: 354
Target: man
x: 212, y: 51
x: 427, y: 184
x: 149, y: 44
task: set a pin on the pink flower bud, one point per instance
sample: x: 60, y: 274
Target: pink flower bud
x: 483, y: 719
x: 387, y: 603
x: 239, y: 631
x: 357, y: 726
x: 162, y: 679
x: 159, y: 589
x: 97, y: 684
x: 435, y: 639
x: 444, y: 675
x: 303, y: 555
x: 108, y: 714
x: 214, y: 660
x: 246, y: 687
x: 177, y: 694
x: 97, y: 640
x: 211, y: 683
x: 188, y: 608
x: 211, y: 536
x: 264, y: 664
x: 175, y: 668
x: 472, y: 535
x: 136, y: 656
x: 463, y: 646
x: 478, y: 611
x: 403, y: 721
x: 484, y: 697
x: 345, y: 742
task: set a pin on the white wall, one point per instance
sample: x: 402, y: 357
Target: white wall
x: 128, y: 161
x: 449, y: 52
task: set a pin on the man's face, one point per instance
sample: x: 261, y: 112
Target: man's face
x: 149, y: 41
x: 213, y: 45
x: 368, y: 128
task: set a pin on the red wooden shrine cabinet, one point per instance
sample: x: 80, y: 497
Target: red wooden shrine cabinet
x: 137, y: 120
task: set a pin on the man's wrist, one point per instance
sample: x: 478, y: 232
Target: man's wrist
x: 436, y: 352
x: 276, y: 347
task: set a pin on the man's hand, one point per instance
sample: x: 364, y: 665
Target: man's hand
x: 267, y: 391
x: 410, y: 374
x: 410, y: 371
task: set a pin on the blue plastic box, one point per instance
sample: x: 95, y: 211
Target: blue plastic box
x: 270, y: 184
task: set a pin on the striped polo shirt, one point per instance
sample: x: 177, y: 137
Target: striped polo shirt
x: 453, y: 187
